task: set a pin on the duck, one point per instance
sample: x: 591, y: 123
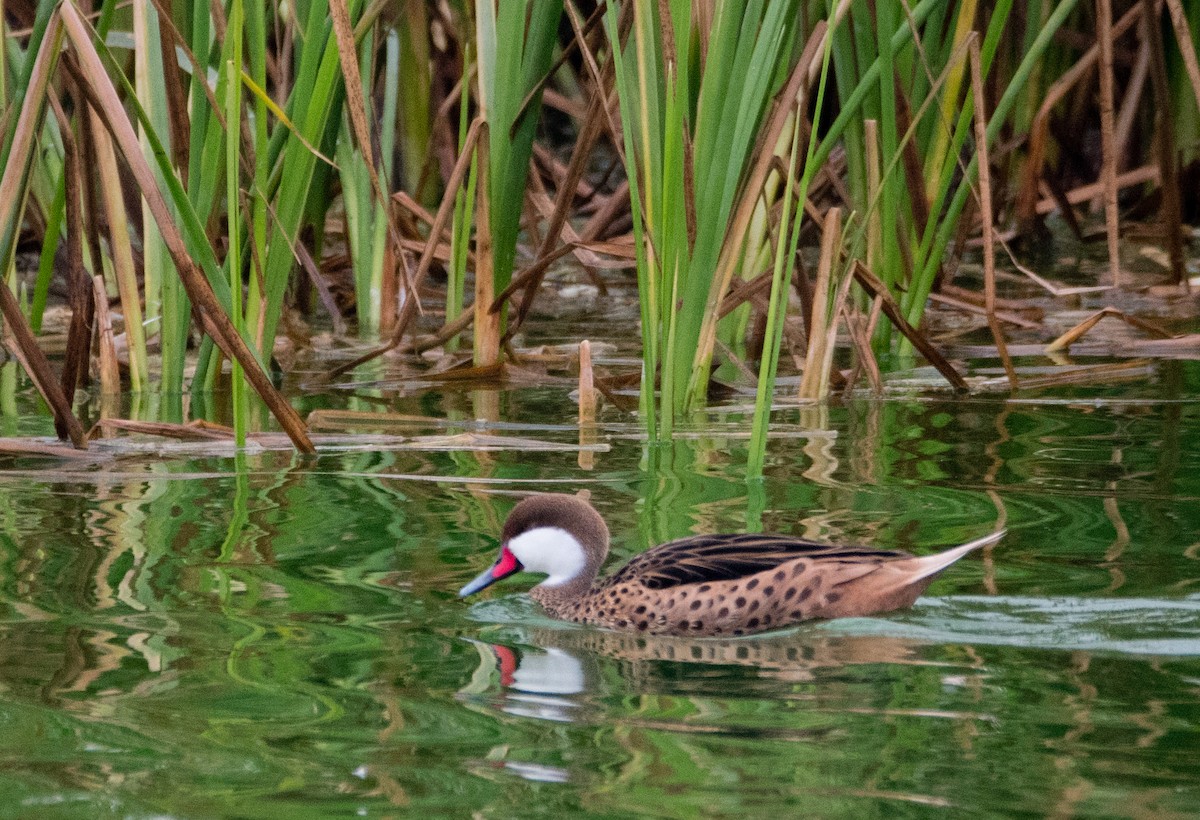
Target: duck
x: 706, y: 585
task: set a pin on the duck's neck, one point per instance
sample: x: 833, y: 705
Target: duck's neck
x: 561, y: 600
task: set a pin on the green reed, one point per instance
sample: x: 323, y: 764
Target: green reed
x: 690, y: 118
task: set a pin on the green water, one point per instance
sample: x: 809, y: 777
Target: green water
x: 183, y: 635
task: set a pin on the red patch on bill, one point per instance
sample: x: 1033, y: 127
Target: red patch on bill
x: 506, y: 564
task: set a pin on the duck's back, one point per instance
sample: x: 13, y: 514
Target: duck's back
x: 737, y: 584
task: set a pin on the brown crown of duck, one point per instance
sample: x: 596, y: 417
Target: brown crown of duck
x: 731, y: 584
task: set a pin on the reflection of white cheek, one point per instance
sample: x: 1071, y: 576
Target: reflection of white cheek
x: 553, y: 672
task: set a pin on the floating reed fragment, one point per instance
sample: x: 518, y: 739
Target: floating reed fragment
x: 1077, y: 332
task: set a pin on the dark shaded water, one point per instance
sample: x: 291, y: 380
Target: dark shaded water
x: 186, y: 634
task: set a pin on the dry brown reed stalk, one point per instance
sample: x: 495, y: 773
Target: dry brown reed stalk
x: 339, y: 13
x: 192, y: 431
x: 858, y: 327
x: 1108, y: 139
x: 812, y: 385
x: 602, y: 80
x: 1131, y: 101
x: 120, y: 248
x: 985, y: 212
x: 587, y: 385
x: 79, y: 333
x: 1093, y: 374
x: 487, y: 323
x: 98, y: 88
x: 1085, y: 193
x: 309, y: 266
x: 36, y: 365
x: 963, y: 305
x: 445, y: 333
x: 21, y: 447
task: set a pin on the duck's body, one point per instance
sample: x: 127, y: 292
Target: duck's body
x: 706, y: 585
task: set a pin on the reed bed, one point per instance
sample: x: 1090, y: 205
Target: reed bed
x: 791, y: 181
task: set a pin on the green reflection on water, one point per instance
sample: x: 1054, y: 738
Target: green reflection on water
x: 199, y: 636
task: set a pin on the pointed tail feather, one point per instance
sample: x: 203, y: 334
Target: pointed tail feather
x: 933, y: 564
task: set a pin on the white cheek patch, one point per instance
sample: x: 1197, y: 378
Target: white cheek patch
x: 550, y: 550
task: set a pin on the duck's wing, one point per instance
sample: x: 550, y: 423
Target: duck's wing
x: 708, y: 558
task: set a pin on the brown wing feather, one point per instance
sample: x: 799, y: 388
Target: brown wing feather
x: 708, y: 558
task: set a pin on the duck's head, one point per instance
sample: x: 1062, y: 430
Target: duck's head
x: 561, y: 536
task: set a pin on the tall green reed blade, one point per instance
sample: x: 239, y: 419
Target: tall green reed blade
x: 626, y: 83
x: 787, y: 242
x: 366, y: 216
x: 233, y: 209
x: 256, y: 44
x: 891, y: 267
x: 515, y: 42
x: 415, y: 122
x: 460, y: 227
x: 148, y: 73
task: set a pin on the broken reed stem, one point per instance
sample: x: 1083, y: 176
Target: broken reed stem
x: 1108, y: 137
x: 587, y: 385
x: 587, y: 407
x: 1076, y: 333
x: 985, y: 212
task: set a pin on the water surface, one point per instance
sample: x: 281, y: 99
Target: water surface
x: 183, y: 633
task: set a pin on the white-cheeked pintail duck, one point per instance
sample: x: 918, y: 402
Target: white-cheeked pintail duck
x: 704, y: 585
